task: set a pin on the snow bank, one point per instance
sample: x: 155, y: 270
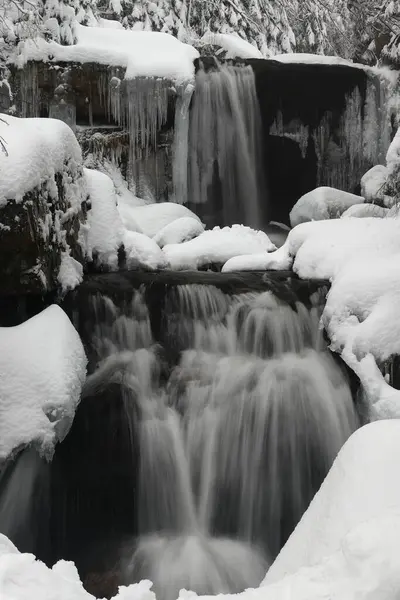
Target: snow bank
x: 322, y: 203
x: 25, y: 578
x: 373, y: 182
x: 235, y: 46
x: 180, y: 230
x: 217, y: 246
x: 361, y: 486
x: 141, y: 251
x: 105, y: 228
x: 365, y: 210
x: 151, y: 218
x: 36, y: 149
x: 142, y: 53
x: 42, y: 369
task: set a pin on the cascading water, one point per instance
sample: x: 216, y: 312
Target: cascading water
x: 233, y: 442
x: 225, y: 149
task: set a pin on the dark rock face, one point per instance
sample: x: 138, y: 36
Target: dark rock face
x: 32, y: 242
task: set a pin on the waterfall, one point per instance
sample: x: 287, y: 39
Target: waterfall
x: 225, y: 149
x: 234, y: 439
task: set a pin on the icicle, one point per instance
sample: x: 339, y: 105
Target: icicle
x: 295, y: 130
x: 30, y: 91
x: 181, y: 145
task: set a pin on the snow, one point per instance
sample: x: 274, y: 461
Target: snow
x: 314, y: 59
x: 151, y: 218
x: 361, y: 491
x: 141, y: 251
x: 70, y: 273
x: 365, y: 210
x: 37, y: 149
x: 217, y: 246
x: 393, y: 154
x: 235, y: 46
x: 106, y: 230
x: 180, y: 230
x: 42, y: 370
x: 25, y: 578
x: 372, y: 183
x: 322, y: 203
x: 142, y: 53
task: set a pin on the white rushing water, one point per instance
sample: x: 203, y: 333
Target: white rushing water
x: 237, y: 441
x: 225, y: 149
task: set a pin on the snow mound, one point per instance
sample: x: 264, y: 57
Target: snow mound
x: 235, y: 46
x: 70, y: 273
x: 217, y: 246
x: 106, y: 230
x: 42, y: 370
x: 142, y: 251
x: 361, y: 486
x: 363, y: 211
x: 142, y: 53
x: 180, y: 230
x: 151, y: 218
x: 25, y: 578
x: 373, y: 182
x: 322, y: 203
x: 36, y: 149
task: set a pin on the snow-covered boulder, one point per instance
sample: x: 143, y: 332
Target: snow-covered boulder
x: 322, y: 203
x: 151, y: 218
x: 181, y: 230
x: 373, y: 183
x: 105, y: 231
x: 143, y: 252
x: 233, y: 45
x: 363, y: 211
x: 216, y: 246
x: 42, y: 370
x: 42, y: 191
x: 356, y: 514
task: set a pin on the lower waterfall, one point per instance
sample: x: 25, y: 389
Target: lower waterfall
x: 236, y: 414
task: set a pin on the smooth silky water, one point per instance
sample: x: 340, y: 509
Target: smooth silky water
x: 233, y: 442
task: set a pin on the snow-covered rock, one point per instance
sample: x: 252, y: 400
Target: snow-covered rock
x: 42, y: 189
x: 105, y: 228
x: 42, y: 370
x: 180, y: 230
x: 216, y: 246
x: 315, y: 59
x: 373, y: 183
x: 365, y: 210
x: 151, y: 218
x: 360, y: 494
x: 322, y: 203
x: 143, y: 252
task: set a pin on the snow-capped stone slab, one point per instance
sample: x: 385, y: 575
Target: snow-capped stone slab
x: 322, y: 203
x: 362, y: 487
x: 234, y: 46
x: 42, y: 370
x: 216, y: 246
x: 180, y: 230
x: 142, y: 53
x: 373, y: 182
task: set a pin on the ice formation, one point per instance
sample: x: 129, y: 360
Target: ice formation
x: 43, y: 367
x: 364, y: 129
